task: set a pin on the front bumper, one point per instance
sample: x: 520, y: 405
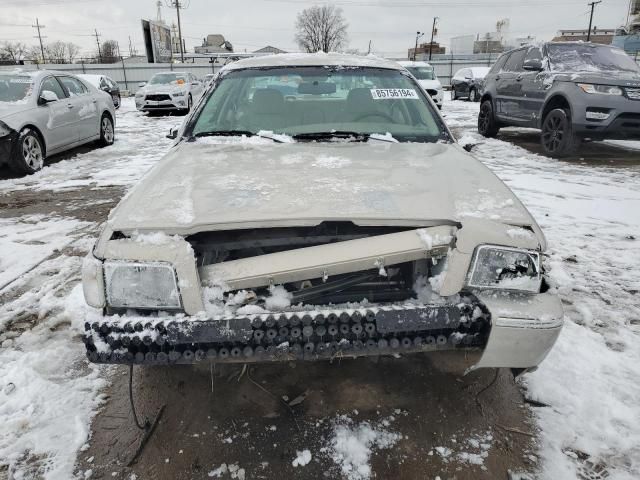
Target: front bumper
x: 623, y: 121
x: 475, y: 322
x: 7, y: 144
x: 178, y: 103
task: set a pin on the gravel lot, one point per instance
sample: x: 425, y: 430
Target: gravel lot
x: 414, y: 417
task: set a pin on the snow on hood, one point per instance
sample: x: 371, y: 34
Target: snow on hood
x: 201, y: 186
x: 163, y: 88
x: 8, y: 109
x: 617, y: 78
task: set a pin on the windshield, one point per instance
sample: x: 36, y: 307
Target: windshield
x: 422, y: 73
x: 589, y: 58
x: 300, y: 101
x: 168, y: 78
x: 14, y: 88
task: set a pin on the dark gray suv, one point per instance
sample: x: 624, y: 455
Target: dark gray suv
x: 570, y: 91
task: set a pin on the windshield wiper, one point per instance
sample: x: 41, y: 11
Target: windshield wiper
x: 344, y: 134
x: 237, y: 133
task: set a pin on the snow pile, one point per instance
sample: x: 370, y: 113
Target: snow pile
x: 279, y: 298
x: 48, y: 392
x: 327, y: 161
x: 473, y: 450
x: 302, y: 459
x: 352, y: 445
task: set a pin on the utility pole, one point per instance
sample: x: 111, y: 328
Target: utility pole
x: 97, y: 35
x: 593, y: 6
x: 415, y: 50
x: 433, y: 30
x: 178, y: 5
x: 39, y: 37
x: 131, y: 50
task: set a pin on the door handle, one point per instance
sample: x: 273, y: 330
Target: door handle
x: 69, y: 105
x: 94, y: 101
x: 497, y: 77
x: 519, y: 78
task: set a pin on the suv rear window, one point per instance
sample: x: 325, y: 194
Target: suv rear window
x: 514, y: 64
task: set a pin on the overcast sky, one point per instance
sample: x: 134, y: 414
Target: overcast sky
x: 251, y: 24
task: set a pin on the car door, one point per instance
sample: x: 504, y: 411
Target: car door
x: 532, y: 88
x: 55, y: 119
x: 508, y: 87
x: 84, y: 105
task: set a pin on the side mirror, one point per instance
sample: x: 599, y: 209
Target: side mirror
x: 173, y: 134
x: 532, y: 65
x: 142, y: 84
x: 47, y: 96
x: 468, y: 78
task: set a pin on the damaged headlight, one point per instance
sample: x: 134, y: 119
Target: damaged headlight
x: 141, y: 285
x: 505, y: 268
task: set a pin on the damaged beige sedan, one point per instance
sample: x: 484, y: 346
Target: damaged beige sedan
x: 316, y: 206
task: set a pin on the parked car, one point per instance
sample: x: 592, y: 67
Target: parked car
x: 43, y: 113
x: 169, y: 91
x: 467, y: 83
x: 344, y: 221
x: 426, y: 76
x: 106, y: 84
x: 571, y: 91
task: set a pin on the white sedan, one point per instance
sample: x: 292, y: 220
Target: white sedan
x: 334, y: 217
x: 43, y: 113
x: 169, y: 91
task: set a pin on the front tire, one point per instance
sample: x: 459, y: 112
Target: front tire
x: 473, y: 95
x: 28, y: 155
x: 487, y: 124
x: 107, y: 134
x: 557, y: 137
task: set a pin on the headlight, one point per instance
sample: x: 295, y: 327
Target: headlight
x: 141, y: 285
x: 505, y: 268
x: 601, y: 89
x: 139, y: 95
x: 179, y: 94
x: 4, y: 129
x: 93, y: 281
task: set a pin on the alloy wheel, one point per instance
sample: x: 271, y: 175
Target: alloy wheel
x: 553, y: 132
x: 32, y: 152
x: 107, y: 130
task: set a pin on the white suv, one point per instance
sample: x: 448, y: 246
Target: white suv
x: 426, y: 76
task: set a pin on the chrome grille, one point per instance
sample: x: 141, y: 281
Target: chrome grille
x: 158, y: 97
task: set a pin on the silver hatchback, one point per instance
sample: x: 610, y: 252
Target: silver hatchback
x: 44, y: 112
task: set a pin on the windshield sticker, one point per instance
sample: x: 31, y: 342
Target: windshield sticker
x: 20, y: 80
x: 393, y: 93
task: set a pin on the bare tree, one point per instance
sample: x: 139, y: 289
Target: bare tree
x: 13, y: 51
x: 34, y: 54
x: 56, y: 52
x: 72, y: 51
x: 109, y: 50
x: 321, y: 28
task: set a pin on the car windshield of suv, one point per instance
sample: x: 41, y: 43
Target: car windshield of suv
x: 320, y: 103
x: 589, y: 58
x: 15, y: 88
x: 168, y: 79
x: 422, y: 73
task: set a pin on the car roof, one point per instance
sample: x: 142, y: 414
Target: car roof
x: 171, y: 71
x: 407, y: 63
x: 319, y: 59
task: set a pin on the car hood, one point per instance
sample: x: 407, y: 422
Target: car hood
x: 433, y: 84
x: 9, y: 109
x: 201, y: 186
x: 623, y: 79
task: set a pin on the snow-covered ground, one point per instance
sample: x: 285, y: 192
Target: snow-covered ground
x: 591, y: 217
x: 48, y: 392
x: 589, y: 212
